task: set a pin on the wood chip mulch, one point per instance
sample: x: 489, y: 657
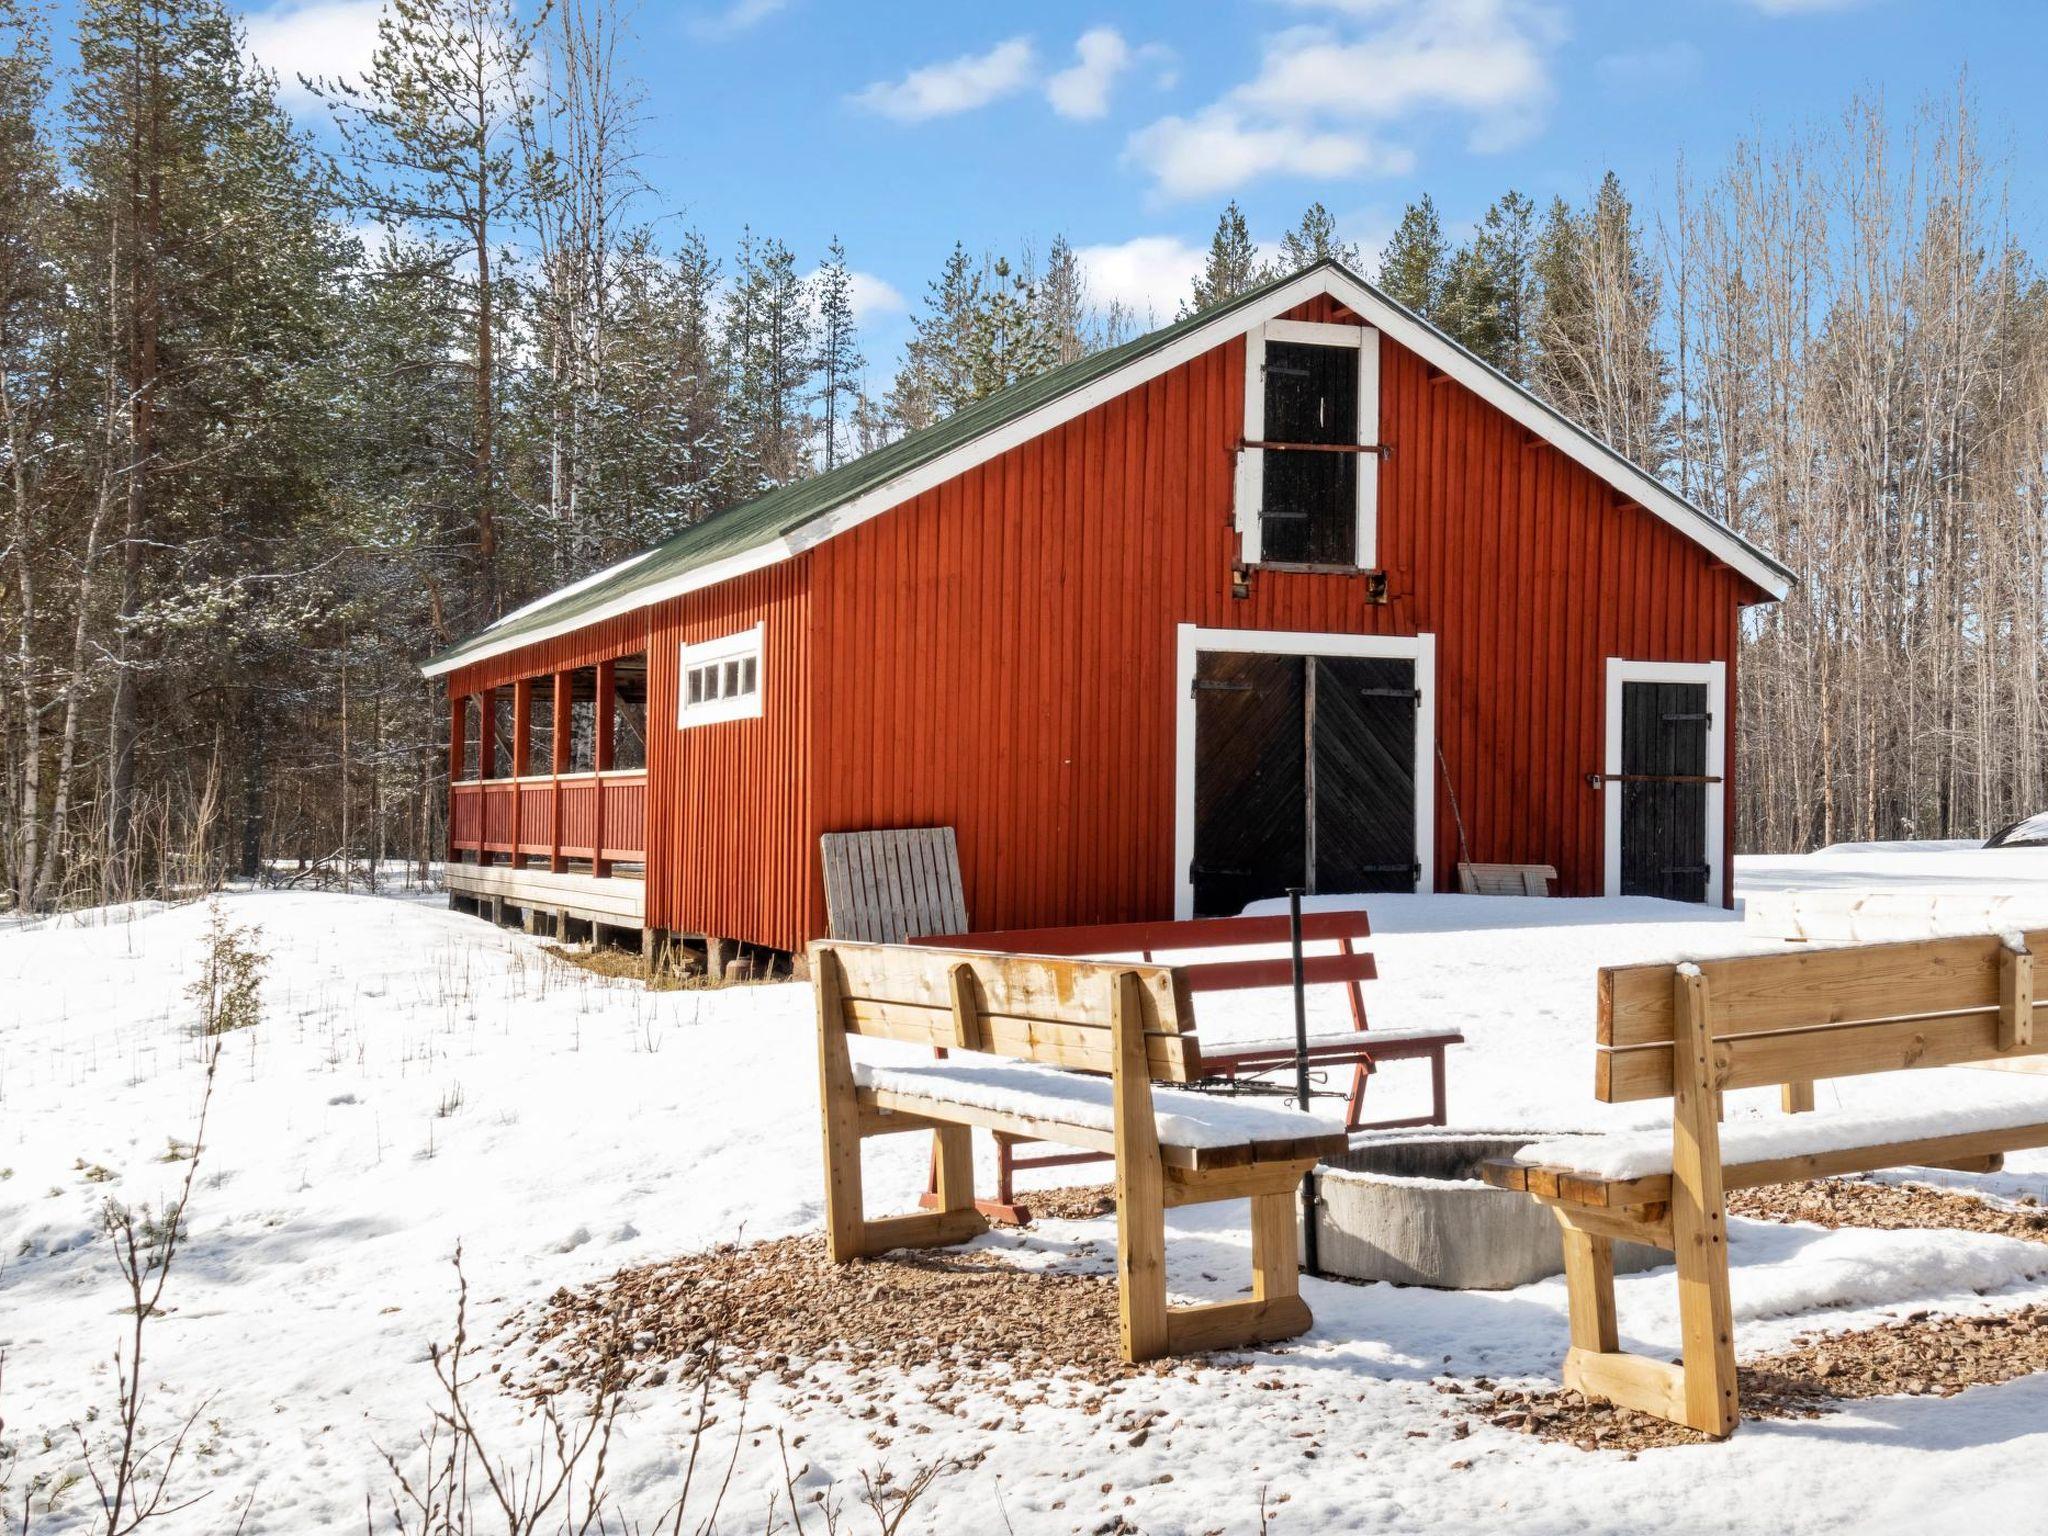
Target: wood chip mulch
x: 969, y: 1320
x: 1891, y: 1207
x: 1921, y: 1356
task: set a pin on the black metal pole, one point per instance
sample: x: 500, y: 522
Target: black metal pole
x: 1308, y: 1180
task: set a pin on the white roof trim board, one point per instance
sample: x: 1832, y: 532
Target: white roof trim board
x: 1424, y: 340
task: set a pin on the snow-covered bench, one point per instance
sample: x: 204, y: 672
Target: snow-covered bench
x: 1689, y: 1033
x: 1035, y: 1026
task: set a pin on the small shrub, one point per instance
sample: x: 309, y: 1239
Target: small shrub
x: 229, y: 987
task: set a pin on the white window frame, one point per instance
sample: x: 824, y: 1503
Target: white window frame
x: 1715, y: 675
x: 1251, y: 462
x: 1194, y: 640
x: 744, y: 645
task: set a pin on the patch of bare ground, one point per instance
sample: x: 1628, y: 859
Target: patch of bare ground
x: 965, y: 1320
x: 1892, y: 1207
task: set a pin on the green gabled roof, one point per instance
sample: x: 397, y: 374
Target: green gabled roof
x: 767, y: 520
x: 787, y: 508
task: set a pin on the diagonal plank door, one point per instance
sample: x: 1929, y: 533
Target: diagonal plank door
x: 1363, y: 785
x: 1250, y: 778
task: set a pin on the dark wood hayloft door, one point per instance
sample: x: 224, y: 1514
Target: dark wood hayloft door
x: 1363, y: 781
x: 1251, y: 786
x: 1304, y: 775
x: 1664, y: 729
x: 1309, y: 503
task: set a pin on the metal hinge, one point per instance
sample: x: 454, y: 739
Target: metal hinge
x: 1217, y: 685
x: 1412, y: 695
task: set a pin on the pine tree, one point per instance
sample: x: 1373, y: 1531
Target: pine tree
x: 1600, y: 361
x: 1469, y: 308
x: 1315, y: 239
x: 940, y: 360
x: 1414, y: 265
x: 1063, y: 302
x: 1507, y: 243
x: 839, y: 361
x: 1232, y: 266
x: 432, y: 138
x: 768, y: 364
x: 1009, y: 340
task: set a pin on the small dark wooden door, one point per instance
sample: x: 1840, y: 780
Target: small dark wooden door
x: 1664, y: 730
x: 1304, y: 775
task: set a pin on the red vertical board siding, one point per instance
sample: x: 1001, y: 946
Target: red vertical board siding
x: 729, y: 847
x: 999, y: 654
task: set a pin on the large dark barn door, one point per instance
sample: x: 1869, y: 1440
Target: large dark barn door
x: 1250, y: 781
x: 1363, y: 832
x: 1664, y: 731
x: 1304, y: 775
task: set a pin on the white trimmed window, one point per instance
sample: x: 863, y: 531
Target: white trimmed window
x: 721, y: 679
x: 1308, y: 474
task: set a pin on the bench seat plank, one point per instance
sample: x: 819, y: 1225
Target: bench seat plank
x: 1625, y: 1155
x: 1341, y: 1044
x: 1080, y: 1110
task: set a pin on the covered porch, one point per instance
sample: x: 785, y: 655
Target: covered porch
x: 547, y: 796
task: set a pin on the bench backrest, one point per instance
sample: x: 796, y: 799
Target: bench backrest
x: 1044, y: 1008
x: 1348, y: 967
x: 1798, y: 1016
x: 882, y: 887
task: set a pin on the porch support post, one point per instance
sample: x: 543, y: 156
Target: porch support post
x: 458, y: 721
x: 559, y: 740
x: 522, y: 755
x: 601, y: 758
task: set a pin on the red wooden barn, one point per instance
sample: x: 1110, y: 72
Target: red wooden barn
x: 1294, y: 591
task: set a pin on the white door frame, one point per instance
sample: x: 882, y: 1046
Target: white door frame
x: 1193, y: 640
x: 1715, y: 675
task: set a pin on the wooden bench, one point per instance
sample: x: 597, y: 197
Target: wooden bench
x: 1506, y: 879
x: 1082, y: 1044
x: 1693, y: 1032
x: 1237, y: 1062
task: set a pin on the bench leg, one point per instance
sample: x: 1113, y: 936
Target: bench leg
x: 1276, y: 1265
x: 1589, y: 1283
x: 1440, y: 1112
x: 1596, y: 1364
x: 1141, y: 1259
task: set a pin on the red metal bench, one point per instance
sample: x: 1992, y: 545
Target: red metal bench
x: 1226, y: 1063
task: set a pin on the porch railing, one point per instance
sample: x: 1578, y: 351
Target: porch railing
x: 597, y: 818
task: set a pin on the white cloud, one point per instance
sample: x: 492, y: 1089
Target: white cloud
x: 958, y: 85
x: 1151, y: 274
x: 1222, y: 148
x: 740, y: 16
x: 335, y: 38
x: 1082, y: 90
x: 1324, y: 93
x: 875, y: 296
x: 1484, y: 59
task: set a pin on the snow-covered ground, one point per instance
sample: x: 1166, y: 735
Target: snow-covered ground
x: 422, y: 1079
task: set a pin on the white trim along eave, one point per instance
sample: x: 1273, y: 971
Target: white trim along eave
x: 1433, y: 348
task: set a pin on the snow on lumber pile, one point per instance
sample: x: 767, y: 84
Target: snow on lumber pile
x: 1622, y: 1155
x: 1835, y: 915
x: 1185, y: 1119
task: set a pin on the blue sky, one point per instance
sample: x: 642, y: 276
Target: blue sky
x: 1126, y: 124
